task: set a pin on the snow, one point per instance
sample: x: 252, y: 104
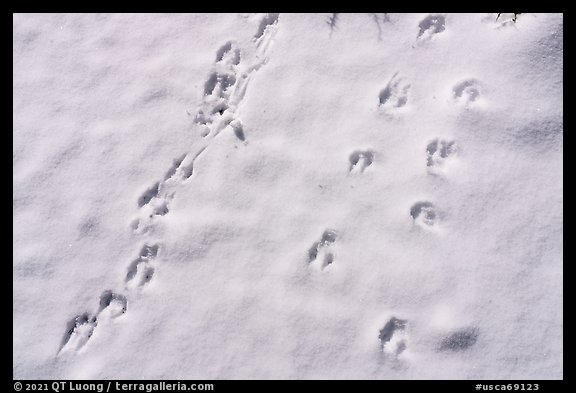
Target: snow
x: 263, y: 196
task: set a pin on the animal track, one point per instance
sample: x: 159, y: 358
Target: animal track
x: 437, y: 152
x: 224, y: 90
x: 467, y: 92
x: 323, y: 247
x: 113, y: 304
x: 155, y: 201
x: 360, y: 160
x: 140, y: 271
x: 430, y: 26
x: 225, y: 53
x: 267, y: 20
x: 217, y: 84
x: 186, y: 166
x: 136, y: 273
x: 226, y: 85
x: 424, y: 214
x: 459, y: 340
x: 148, y: 195
x: 175, y: 164
x: 78, y: 331
x: 395, y: 94
x: 393, y: 337
x: 218, y: 89
x: 149, y: 252
x: 151, y: 198
x: 81, y: 328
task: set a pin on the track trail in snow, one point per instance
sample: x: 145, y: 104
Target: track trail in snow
x: 393, y: 101
x: 224, y: 91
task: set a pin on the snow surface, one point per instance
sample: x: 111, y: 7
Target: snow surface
x: 293, y: 196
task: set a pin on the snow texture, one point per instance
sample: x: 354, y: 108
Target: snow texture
x: 292, y: 196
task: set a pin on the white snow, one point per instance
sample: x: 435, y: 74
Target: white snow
x: 263, y: 196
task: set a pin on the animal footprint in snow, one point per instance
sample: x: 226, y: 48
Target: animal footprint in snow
x: 186, y: 168
x: 323, y: 249
x: 182, y: 167
x: 228, y: 53
x: 430, y: 26
x: 267, y: 20
x: 154, y: 201
x: 150, y: 197
x: 140, y: 271
x: 360, y: 160
x: 81, y: 328
x: 395, y: 95
x: 437, y: 152
x: 147, y: 196
x: 78, y: 333
x: 112, y: 305
x: 175, y: 164
x: 218, y: 87
x: 393, y: 337
x: 218, y: 84
x: 467, y: 92
x: 424, y: 214
x: 459, y: 340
